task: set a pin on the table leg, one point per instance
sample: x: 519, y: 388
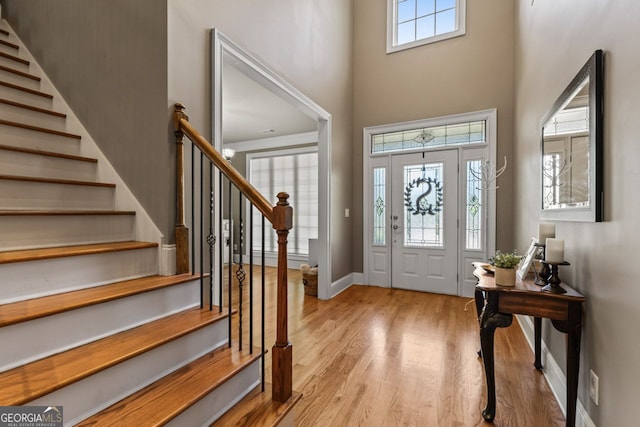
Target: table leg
x: 537, y: 326
x: 489, y: 321
x: 479, y: 297
x: 573, y: 360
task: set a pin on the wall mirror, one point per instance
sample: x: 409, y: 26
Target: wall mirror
x: 572, y: 148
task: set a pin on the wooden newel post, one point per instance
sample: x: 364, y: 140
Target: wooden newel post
x: 182, y: 232
x: 282, y: 356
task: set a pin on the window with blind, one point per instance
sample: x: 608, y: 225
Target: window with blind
x: 297, y: 174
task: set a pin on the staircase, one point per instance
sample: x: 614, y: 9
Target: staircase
x: 86, y: 321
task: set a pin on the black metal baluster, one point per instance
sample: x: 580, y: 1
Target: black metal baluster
x: 250, y: 247
x: 263, y: 305
x: 193, y: 207
x: 221, y: 251
x: 240, y: 272
x: 230, y: 270
x: 211, y: 239
x: 201, y: 270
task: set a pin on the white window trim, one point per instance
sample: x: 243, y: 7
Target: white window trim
x: 392, y: 29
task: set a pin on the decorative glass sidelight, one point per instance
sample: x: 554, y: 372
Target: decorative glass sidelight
x: 474, y: 205
x: 379, y: 206
x: 424, y: 205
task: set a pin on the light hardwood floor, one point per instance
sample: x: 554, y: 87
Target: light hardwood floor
x: 387, y: 357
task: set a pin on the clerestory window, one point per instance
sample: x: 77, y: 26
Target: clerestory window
x: 412, y: 23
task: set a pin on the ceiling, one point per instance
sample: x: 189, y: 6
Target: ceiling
x: 251, y: 111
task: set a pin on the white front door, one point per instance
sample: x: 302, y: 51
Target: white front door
x: 424, y: 221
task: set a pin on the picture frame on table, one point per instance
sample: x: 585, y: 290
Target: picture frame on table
x: 527, y: 259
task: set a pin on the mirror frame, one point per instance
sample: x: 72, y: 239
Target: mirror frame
x: 594, y: 71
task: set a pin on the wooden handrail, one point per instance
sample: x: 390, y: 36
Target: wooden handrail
x: 281, y: 218
x: 182, y: 125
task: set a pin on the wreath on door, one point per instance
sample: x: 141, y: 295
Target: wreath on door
x: 421, y: 206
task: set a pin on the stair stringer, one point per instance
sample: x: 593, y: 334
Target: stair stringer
x: 124, y: 199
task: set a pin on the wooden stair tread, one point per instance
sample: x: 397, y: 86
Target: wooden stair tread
x: 26, y: 89
x: 165, y: 399
x: 14, y: 58
x: 39, y: 129
x: 257, y: 409
x: 63, y: 213
x: 66, y: 251
x: 56, y: 181
x: 23, y: 311
x: 47, y: 153
x: 32, y: 108
x: 8, y: 44
x: 25, y: 383
x: 19, y: 73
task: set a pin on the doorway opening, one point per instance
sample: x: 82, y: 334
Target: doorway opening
x: 235, y: 69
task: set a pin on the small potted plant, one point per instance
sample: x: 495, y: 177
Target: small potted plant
x: 505, y: 264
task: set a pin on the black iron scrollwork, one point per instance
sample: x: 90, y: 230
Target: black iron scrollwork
x: 422, y: 205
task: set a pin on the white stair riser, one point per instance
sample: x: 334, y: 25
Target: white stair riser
x: 31, y: 279
x: 16, y: 79
x: 215, y: 404
x: 16, y: 65
x: 15, y: 137
x: 33, y: 118
x: 33, y: 165
x: 25, y: 97
x: 53, y: 334
x: 12, y: 133
x: 41, y: 231
x: 101, y: 390
x: 8, y: 49
x: 37, y: 195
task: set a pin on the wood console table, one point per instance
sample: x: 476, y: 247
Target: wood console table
x: 496, y: 306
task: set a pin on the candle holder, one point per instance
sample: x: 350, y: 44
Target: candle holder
x: 553, y: 281
x: 541, y: 278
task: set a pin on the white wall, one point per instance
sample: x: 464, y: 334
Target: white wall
x: 553, y: 40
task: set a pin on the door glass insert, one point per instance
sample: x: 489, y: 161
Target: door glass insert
x: 379, y: 206
x: 423, y: 205
x: 474, y: 205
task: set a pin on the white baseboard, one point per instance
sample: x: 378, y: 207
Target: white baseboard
x: 554, y: 375
x: 341, y: 284
x: 358, y: 278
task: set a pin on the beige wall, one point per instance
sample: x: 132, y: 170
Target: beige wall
x: 307, y: 42
x: 469, y: 73
x: 554, y: 39
x: 108, y: 60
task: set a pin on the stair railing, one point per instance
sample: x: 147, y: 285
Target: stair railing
x: 280, y: 216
